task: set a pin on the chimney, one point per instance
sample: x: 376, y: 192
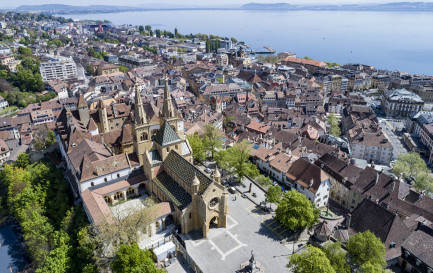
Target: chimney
x: 391, y: 189
x: 311, y: 182
x: 377, y: 178
x: 421, y: 195
x: 348, y: 220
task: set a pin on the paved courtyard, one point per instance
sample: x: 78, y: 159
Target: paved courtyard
x: 248, y: 228
x: 128, y: 207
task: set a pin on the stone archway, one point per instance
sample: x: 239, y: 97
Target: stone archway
x: 214, y: 222
x: 168, y: 220
x: 142, y: 189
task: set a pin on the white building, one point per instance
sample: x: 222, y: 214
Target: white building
x: 58, y: 68
x: 309, y: 180
x: 371, y: 147
x: 3, y: 103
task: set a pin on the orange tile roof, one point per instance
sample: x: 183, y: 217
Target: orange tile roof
x: 304, y: 61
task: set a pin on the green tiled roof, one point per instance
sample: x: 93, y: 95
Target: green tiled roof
x: 185, y: 170
x: 175, y: 193
x: 166, y: 135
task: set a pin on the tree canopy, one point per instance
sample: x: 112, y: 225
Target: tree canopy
x: 237, y: 158
x: 273, y: 195
x: 366, y: 248
x: 334, y: 125
x: 337, y: 257
x: 312, y: 261
x: 38, y: 198
x: 412, y: 166
x: 197, y: 146
x: 296, y: 212
x: 130, y: 258
x: 212, y: 138
x: 23, y: 160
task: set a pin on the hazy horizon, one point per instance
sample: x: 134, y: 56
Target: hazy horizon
x: 18, y: 3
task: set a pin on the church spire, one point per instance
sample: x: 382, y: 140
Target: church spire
x: 168, y: 110
x: 139, y: 114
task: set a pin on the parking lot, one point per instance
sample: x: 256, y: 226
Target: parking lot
x: 248, y: 228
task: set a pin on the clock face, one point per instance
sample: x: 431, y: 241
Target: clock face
x: 219, y: 100
x: 214, y: 202
x: 213, y: 100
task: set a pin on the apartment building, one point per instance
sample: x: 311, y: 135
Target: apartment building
x: 58, y: 68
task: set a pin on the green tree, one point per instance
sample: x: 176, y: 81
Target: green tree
x: 58, y: 259
x: 220, y: 158
x: 23, y: 160
x: 133, y: 259
x: 296, y: 212
x: 158, y: 33
x: 423, y: 181
x: 212, y: 138
x: 196, y: 143
x: 233, y: 40
x: 334, y: 125
x: 24, y: 52
x: 337, y: 256
x: 412, y: 166
x: 148, y: 28
x: 273, y: 195
x: 123, y: 69
x: 175, y: 32
x: 409, y: 165
x: 371, y: 268
x: 264, y: 180
x: 365, y: 247
x: 238, y: 159
x: 312, y: 261
x: 141, y: 29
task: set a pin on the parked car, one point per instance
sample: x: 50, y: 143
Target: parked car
x: 207, y: 170
x: 232, y: 190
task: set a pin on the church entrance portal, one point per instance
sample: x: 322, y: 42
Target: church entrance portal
x: 213, y: 222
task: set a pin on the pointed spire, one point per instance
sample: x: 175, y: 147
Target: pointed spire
x: 81, y: 102
x: 139, y: 114
x: 168, y: 110
x: 217, y: 173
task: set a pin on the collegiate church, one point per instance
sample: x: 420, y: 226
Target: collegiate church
x: 116, y: 152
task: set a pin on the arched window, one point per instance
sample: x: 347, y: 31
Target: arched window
x: 143, y: 136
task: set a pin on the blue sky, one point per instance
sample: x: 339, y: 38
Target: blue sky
x: 193, y: 2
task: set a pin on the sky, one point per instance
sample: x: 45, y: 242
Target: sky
x: 192, y: 2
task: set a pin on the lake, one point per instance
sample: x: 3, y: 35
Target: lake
x: 387, y: 40
x: 11, y: 252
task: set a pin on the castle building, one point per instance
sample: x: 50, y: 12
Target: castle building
x: 112, y: 155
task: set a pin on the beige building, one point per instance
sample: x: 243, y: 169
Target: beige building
x: 113, y: 157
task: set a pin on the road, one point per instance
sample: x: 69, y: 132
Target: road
x: 389, y: 127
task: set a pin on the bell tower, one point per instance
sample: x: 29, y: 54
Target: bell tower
x: 169, y: 112
x: 103, y: 118
x: 141, y: 127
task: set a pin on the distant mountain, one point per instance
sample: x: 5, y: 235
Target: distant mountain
x: 72, y: 9
x: 263, y: 6
x: 396, y: 6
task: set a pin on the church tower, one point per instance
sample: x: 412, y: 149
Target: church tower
x: 103, y: 118
x: 141, y: 128
x: 83, y: 111
x: 169, y: 113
